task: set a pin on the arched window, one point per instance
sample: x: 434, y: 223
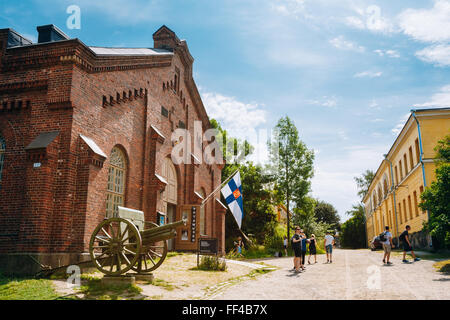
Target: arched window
x: 2, y: 156
x: 115, y: 192
x: 385, y: 186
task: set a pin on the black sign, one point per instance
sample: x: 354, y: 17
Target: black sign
x: 193, y: 223
x: 207, y: 246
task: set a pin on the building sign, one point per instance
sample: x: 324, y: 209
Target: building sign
x: 193, y: 223
x: 207, y: 246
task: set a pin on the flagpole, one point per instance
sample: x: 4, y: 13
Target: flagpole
x: 218, y: 188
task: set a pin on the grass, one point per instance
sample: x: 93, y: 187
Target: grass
x: 26, y: 289
x: 164, y: 284
x: 443, y: 266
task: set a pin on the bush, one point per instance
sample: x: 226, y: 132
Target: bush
x: 212, y: 263
x: 273, y: 242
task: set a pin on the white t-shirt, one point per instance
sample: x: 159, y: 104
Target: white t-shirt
x: 388, y: 236
x: 328, y: 239
x: 285, y: 242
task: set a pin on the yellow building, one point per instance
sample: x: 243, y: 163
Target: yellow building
x: 394, y: 194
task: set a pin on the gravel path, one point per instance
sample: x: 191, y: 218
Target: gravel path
x: 354, y: 274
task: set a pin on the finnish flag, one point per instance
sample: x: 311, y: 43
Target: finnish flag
x: 232, y: 192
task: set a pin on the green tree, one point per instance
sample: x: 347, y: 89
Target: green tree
x: 353, y: 231
x: 363, y: 183
x: 292, y: 164
x: 259, y: 215
x: 306, y: 219
x: 326, y: 213
x: 435, y: 198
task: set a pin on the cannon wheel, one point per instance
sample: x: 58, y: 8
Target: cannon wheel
x: 152, y: 255
x: 115, y: 246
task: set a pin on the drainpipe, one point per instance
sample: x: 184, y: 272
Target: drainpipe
x: 413, y: 112
x: 395, y: 201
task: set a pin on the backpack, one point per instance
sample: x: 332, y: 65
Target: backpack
x: 382, y: 236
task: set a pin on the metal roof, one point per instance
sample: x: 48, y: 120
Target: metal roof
x: 102, y: 51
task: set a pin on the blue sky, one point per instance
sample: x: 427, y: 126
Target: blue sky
x: 347, y: 72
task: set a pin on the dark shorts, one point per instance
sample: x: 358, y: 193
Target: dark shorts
x: 298, y: 252
x: 285, y: 247
x: 407, y: 247
x: 312, y: 251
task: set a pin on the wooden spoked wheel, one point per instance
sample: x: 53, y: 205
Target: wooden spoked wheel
x: 152, y: 255
x: 115, y: 246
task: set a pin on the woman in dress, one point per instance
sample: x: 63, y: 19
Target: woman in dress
x: 312, y: 249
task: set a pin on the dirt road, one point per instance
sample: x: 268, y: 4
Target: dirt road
x: 354, y: 274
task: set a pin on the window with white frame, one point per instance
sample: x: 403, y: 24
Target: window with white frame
x: 115, y: 192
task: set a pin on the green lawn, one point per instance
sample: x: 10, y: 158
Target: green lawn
x: 26, y: 289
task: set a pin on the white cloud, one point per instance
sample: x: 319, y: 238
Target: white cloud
x: 368, y: 74
x: 355, y: 22
x: 343, y: 44
x: 440, y: 99
x: 326, y: 101
x: 373, y: 104
x: 399, y: 126
x: 388, y: 53
x: 427, y: 25
x: 438, y: 55
x: 237, y: 117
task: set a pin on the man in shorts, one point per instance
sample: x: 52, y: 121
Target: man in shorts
x: 297, y: 247
x: 328, y: 244
x: 387, y: 246
x: 404, y: 238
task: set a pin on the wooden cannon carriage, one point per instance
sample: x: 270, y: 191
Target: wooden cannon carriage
x: 127, y: 242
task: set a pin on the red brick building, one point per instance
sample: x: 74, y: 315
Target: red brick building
x: 85, y: 129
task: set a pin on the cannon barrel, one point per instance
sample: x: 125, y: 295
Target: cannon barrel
x: 166, y: 235
x: 157, y: 230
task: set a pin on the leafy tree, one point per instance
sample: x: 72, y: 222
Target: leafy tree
x: 363, y: 182
x: 436, y: 197
x: 326, y: 213
x: 259, y: 216
x: 353, y: 231
x: 306, y: 219
x: 292, y: 164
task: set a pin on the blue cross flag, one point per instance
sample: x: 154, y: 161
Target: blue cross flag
x: 232, y: 192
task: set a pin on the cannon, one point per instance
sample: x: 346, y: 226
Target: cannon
x: 117, y: 245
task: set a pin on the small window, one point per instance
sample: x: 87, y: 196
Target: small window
x: 2, y: 156
x: 164, y: 112
x: 405, y: 162
x: 404, y: 209
x: 416, y: 205
x: 411, y: 160
x: 396, y: 175
x: 401, y: 169
x: 400, y: 212
x: 417, y: 150
x: 181, y: 125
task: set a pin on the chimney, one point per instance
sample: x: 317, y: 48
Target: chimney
x: 50, y: 33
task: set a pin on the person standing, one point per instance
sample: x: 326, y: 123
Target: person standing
x: 285, y: 244
x: 404, y: 237
x: 239, y: 245
x: 328, y: 244
x: 304, y: 241
x: 312, y: 249
x: 387, y: 246
x: 297, y: 246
